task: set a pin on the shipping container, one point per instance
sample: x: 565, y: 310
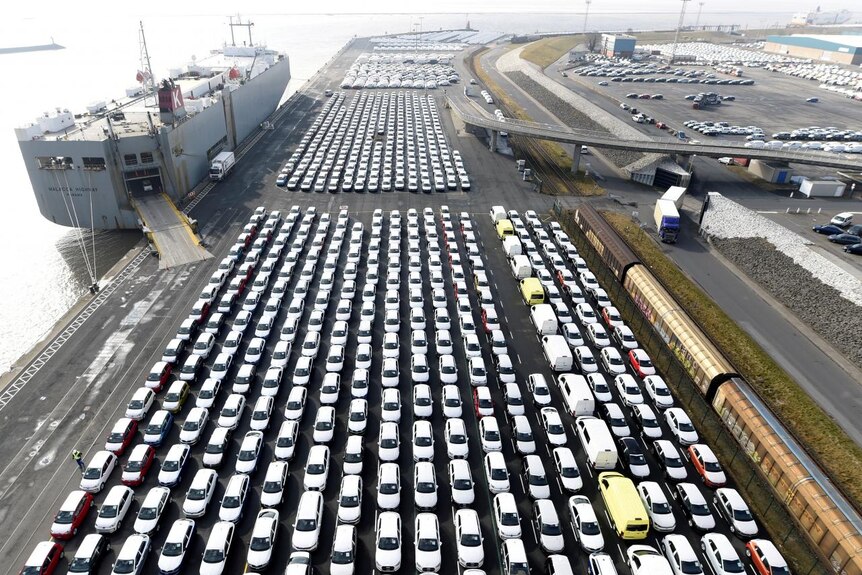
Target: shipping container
x: 822, y: 188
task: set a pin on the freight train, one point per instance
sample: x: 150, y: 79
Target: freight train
x: 831, y: 523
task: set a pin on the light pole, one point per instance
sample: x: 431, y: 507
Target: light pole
x: 699, y: 10
x: 586, y: 15
x: 678, y: 28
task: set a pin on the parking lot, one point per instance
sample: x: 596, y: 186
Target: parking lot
x: 524, y: 350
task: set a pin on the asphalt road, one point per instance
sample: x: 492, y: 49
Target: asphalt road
x: 76, y: 396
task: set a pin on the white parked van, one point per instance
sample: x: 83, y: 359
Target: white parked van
x: 521, y: 267
x: 557, y: 352
x: 544, y: 319
x: 597, y: 441
x: 512, y: 246
x: 577, y: 396
x: 498, y: 213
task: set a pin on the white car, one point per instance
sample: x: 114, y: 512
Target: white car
x: 200, y: 493
x: 221, y: 366
x: 648, y: 421
x: 315, y: 321
x: 537, y: 385
x: 171, y: 471
x: 232, y: 342
x: 499, y: 346
x: 423, y: 440
x: 628, y: 389
x: 680, y: 555
x: 525, y: 442
x: 448, y: 369
x: 547, y: 525
x: 353, y: 453
x: 274, y: 483
x: 451, y: 400
x: 612, y: 360
x: 306, y: 526
x: 427, y: 543
x: 263, y: 538
x: 455, y: 432
x: 443, y: 342
x: 478, y: 372
x: 597, y: 335
x: 363, y: 357
x: 231, y: 412
x: 388, y: 447
x: 324, y: 424
x: 472, y: 347
x: 272, y: 379
x: 535, y: 478
x: 585, y: 314
x: 586, y: 526
x: 423, y: 403
x: 311, y: 344
x: 554, y: 428
x: 425, y: 485
x: 255, y: 350
x: 387, y: 549
x: 339, y: 333
x: 419, y: 370
x: 389, y: 374
x: 567, y: 469
x: 389, y: 486
x: 132, y: 555
x: 208, y: 393
x: 391, y: 345
x: 359, y: 383
x: 316, y: 468
x: 645, y: 560
x: 506, y: 516
x: 152, y: 509
x: 681, y: 426
x: 505, y: 368
x: 461, y: 482
x: 350, y: 499
x: 365, y: 331
x: 600, y: 388
x: 140, y: 404
x: 343, y: 557
x: 496, y: 472
x: 657, y: 506
x: 671, y: 460
x: 391, y: 405
x: 194, y: 425
x: 114, y: 509
x: 330, y: 388
x: 489, y: 435
x: 249, y: 452
x: 204, y: 344
x: 176, y: 545
x: 735, y: 511
x: 721, y: 555
x: 295, y: 406
x: 357, y: 418
x: 285, y: 443
x: 302, y: 371
x: 658, y: 391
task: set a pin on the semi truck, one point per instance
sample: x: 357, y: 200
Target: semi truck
x: 666, y: 221
x: 675, y: 194
x: 221, y: 166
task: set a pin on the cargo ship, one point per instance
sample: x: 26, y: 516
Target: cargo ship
x: 97, y: 168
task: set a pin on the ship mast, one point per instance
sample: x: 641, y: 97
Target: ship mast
x: 149, y: 85
x: 248, y: 24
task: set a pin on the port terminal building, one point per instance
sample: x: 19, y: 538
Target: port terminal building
x: 835, y: 48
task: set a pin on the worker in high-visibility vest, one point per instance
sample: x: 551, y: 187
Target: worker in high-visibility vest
x: 78, y: 458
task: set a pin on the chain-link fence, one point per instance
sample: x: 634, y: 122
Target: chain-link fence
x: 769, y: 506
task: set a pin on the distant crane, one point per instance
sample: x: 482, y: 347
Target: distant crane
x: 586, y: 14
x: 678, y: 28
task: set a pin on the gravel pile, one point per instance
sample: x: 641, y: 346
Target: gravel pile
x: 726, y: 219
x: 820, y: 306
x: 571, y: 116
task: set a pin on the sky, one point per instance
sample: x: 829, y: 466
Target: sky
x: 100, y: 10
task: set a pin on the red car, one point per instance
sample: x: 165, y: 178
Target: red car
x: 765, y: 558
x: 158, y: 376
x: 612, y: 317
x: 706, y: 464
x: 204, y: 311
x: 245, y: 239
x: 489, y: 320
x: 641, y: 362
x: 44, y: 559
x: 482, y: 402
x: 72, y: 513
x: 139, y: 463
x: 121, y: 435
x: 250, y: 229
x: 241, y: 285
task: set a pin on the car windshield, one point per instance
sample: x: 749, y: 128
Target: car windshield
x: 509, y: 519
x: 230, y: 501
x: 590, y: 528
x: 389, y: 443
x: 306, y: 524
x: 148, y: 513
x: 172, y: 549
x: 735, y: 566
x: 190, y: 426
x: 213, y: 556
x: 672, y: 461
x: 637, y: 459
x: 352, y: 457
x: 661, y: 507
x: 690, y: 567
x: 499, y: 474
x: 170, y: 465
x: 569, y: 472
x: 115, y: 437
x: 742, y: 515
x: 136, y: 404
x: 387, y: 543
x: 260, y: 543
x: 470, y: 540
x: 551, y: 529
x: 314, y: 468
x: 124, y: 566
x: 538, y: 479
x: 492, y: 435
x: 357, y: 416
x: 685, y: 426
x: 78, y: 565
x: 349, y: 501
x: 64, y: 517
x: 389, y: 488
x: 272, y: 486
x: 462, y: 484
x: 712, y: 466
x: 428, y: 545
x: 196, y: 495
x: 423, y: 441
x: 342, y: 557
x: 133, y: 465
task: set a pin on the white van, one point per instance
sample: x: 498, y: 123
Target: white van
x: 521, y: 267
x: 498, y: 213
x: 842, y: 220
x: 597, y: 441
x: 544, y: 319
x: 512, y: 246
x: 557, y: 352
x: 577, y: 395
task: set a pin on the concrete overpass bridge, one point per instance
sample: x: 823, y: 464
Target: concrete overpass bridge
x: 473, y: 115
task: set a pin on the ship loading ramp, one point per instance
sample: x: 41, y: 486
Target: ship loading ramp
x: 169, y: 230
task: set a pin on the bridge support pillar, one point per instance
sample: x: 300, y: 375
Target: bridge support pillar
x: 576, y: 158
x: 493, y: 141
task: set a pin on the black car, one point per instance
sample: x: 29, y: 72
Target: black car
x: 854, y: 249
x: 845, y: 239
x: 828, y: 229
x: 632, y: 458
x: 856, y: 230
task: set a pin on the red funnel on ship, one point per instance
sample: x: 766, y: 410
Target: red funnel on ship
x: 233, y: 74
